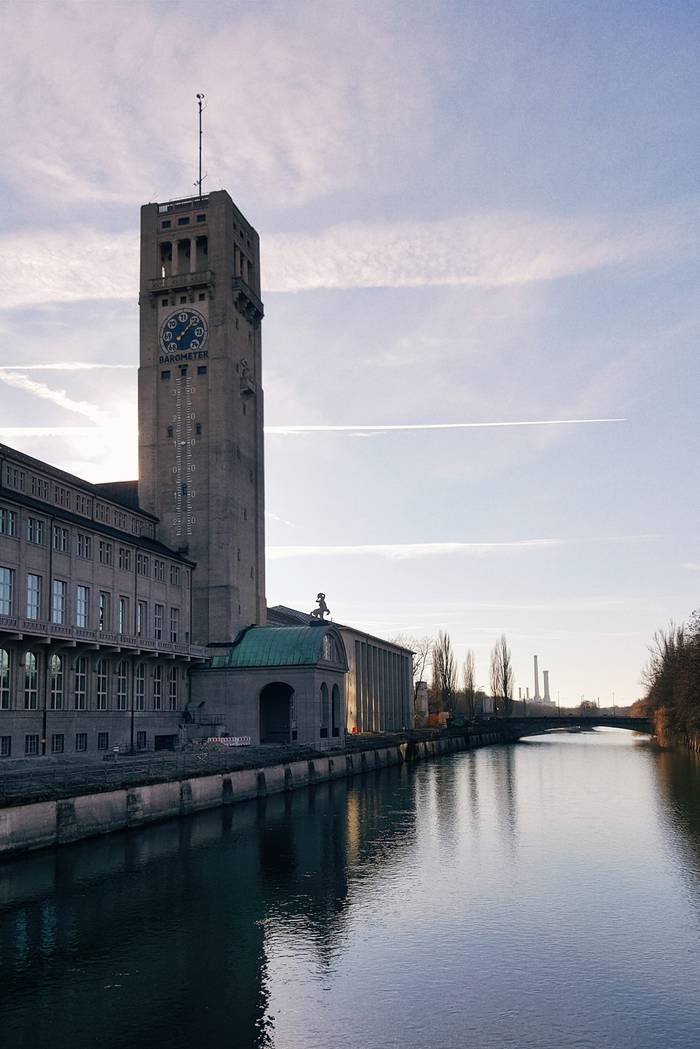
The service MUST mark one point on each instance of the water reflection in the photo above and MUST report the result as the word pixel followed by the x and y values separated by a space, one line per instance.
pixel 166 928
pixel 539 896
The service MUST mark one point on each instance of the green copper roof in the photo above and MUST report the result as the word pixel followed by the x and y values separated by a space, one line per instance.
pixel 275 646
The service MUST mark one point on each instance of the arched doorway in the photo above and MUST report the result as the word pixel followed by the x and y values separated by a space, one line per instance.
pixel 276 713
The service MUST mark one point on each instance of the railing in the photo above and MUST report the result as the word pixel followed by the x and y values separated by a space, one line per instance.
pixel 108 638
pixel 185 203
pixel 181 280
pixel 247 292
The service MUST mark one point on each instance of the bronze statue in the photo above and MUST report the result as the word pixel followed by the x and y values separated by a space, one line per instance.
pixel 322 610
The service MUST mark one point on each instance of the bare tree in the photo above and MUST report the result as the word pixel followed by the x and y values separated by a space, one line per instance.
pixel 501 676
pixel 422 648
pixel 444 671
pixel 469 683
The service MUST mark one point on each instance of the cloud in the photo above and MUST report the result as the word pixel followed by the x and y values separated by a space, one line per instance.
pixel 281 520
pixel 57 397
pixel 382 427
pixel 66 366
pixel 407 551
pixel 692 566
pixel 491 251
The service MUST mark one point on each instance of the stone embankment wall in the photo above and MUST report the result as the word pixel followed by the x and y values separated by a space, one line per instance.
pixel 61 821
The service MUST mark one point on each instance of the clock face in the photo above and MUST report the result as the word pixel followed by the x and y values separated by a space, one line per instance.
pixel 183 330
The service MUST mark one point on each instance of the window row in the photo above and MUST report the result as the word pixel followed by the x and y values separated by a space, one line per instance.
pixel 70 499
pixel 86 547
pixel 58 743
pixel 88 610
pixel 107 685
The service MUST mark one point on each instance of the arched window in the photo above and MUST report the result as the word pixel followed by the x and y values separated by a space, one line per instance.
pixel 101 685
pixel 80 683
pixel 157 687
pixel 4 679
pixel 56 682
pixel 122 685
pixel 335 710
pixel 329 649
pixel 31 677
pixel 172 688
pixel 324 710
pixel 140 687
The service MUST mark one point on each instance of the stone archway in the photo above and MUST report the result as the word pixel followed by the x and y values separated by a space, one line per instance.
pixel 276 713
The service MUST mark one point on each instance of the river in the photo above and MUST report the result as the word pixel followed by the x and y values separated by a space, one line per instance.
pixel 544 894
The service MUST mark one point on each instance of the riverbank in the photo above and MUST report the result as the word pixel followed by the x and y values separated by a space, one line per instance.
pixel 73 816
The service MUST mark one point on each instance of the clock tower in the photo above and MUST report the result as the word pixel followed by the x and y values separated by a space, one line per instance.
pixel 201 468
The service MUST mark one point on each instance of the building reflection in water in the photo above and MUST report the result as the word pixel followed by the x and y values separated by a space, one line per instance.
pixel 170 927
pixel 678 773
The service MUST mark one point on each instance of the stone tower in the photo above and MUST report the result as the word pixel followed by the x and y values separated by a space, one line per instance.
pixel 201 468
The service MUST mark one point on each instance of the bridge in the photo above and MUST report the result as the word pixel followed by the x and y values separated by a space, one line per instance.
pixel 570 720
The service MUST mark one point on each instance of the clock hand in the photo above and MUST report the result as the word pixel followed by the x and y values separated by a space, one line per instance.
pixel 184 331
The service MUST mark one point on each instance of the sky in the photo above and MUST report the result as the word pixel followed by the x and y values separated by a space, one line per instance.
pixel 473 217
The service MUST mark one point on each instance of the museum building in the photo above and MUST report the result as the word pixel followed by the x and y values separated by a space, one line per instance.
pixel 133 614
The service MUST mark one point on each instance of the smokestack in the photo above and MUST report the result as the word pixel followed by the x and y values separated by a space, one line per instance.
pixel 520 693
pixel 545 675
pixel 527 692
pixel 537 683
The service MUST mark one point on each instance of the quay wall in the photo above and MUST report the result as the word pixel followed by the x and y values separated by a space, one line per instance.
pixel 64 820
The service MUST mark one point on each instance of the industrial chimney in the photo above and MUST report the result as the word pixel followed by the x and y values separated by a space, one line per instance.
pixel 537 696
pixel 545 675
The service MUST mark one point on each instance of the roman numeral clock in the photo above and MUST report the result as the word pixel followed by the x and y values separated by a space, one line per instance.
pixel 182 334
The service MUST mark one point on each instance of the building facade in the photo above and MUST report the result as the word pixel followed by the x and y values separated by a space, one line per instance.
pixel 95 619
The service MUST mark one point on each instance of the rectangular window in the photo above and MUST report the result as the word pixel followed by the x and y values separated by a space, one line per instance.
pixel 4 679
pixel 15 478
pixel 104 552
pixel 101 683
pixel 102 512
pixel 159 570
pixel 172 688
pixel 5 746
pixel 141 618
pixel 83 546
pixel 8 522
pixel 125 558
pixel 35 531
pixel 31 745
pixel 142 564
pixel 140 688
pixel 141 743
pixel 39 488
pixel 58 601
pixel 123 615
pixel 33 596
pixel 61 496
pixel 80 683
pixel 103 740
pixel 158 616
pixel 122 685
pixel 103 610
pixel 6 587
pixel 174 575
pixel 60 539
pixel 81 742
pixel 157 687
pixel 82 504
pixel 57 743
pixel 120 520
pixel 174 624
pixel 82 607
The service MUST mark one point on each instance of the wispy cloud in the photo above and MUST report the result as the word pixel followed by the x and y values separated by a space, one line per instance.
pixel 382 427
pixel 67 366
pixel 692 566
pixel 57 397
pixel 408 551
pixel 489 251
pixel 14 433
pixel 280 520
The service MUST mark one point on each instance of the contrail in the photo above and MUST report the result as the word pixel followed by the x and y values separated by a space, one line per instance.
pixel 437 426
pixel 58 397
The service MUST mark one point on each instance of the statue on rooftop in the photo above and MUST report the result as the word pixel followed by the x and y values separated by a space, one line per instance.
pixel 322 610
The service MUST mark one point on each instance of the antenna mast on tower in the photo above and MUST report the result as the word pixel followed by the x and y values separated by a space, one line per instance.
pixel 201 105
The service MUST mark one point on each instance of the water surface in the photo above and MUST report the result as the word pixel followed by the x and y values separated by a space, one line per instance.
pixel 545 894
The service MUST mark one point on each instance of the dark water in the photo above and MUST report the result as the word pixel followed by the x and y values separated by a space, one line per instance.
pixel 542 895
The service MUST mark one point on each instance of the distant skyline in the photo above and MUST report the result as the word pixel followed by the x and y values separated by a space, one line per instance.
pixel 479 241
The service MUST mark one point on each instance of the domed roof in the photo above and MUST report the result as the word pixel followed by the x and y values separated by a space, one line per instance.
pixel 284 646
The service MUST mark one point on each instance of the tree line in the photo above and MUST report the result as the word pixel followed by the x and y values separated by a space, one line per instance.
pixel 672 682
pixel 454 689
